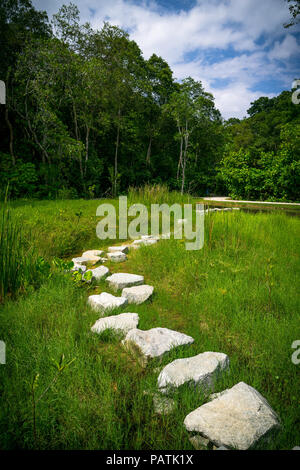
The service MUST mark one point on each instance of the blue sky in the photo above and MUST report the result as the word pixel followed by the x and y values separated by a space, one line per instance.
pixel 239 49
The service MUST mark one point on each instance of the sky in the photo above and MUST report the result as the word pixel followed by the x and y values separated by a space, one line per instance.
pixel 238 49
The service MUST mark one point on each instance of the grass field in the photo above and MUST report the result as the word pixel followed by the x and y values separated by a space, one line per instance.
pixel 238 295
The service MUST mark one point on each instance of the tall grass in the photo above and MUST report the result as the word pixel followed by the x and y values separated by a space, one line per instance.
pixel 20 266
pixel 238 295
pixel 155 194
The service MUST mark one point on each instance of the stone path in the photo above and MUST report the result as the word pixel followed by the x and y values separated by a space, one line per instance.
pixel 237 418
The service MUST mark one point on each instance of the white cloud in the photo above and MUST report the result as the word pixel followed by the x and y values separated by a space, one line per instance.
pixel 287 48
pixel 210 25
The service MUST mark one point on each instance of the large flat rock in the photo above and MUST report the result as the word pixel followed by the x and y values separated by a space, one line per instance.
pixel 123 322
pixel 200 370
pixel 105 301
pixel 137 294
pixel 99 273
pixel 144 242
pixel 117 256
pixel 92 253
pixel 86 260
pixel 238 418
pixel 121 248
pixel 157 341
pixel 121 280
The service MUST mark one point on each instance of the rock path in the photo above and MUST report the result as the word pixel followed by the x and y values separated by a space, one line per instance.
pixel 237 418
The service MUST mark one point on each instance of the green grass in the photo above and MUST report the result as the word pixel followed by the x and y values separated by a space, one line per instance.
pixel 238 295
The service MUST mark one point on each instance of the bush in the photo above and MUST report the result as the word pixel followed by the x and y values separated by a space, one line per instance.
pixel 21 177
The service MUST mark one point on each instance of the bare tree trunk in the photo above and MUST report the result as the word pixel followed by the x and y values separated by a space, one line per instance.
pixel 86 147
pixel 116 156
pixel 11 136
pixel 180 153
pixel 9 124
pixel 149 151
pixel 186 144
pixel 75 121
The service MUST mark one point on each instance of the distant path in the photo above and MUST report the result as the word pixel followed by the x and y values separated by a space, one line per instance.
pixel 228 199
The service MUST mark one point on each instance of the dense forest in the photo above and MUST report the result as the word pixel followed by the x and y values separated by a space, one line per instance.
pixel 87 116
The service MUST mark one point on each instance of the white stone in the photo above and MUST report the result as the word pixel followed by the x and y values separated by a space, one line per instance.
pixel 163 405
pixel 150 237
pixel 122 249
pixel 92 253
pixel 238 418
pixel 99 273
pixel 198 370
pixel 199 442
pixel 157 341
pixel 137 294
pixel 121 280
pixel 123 322
pixel 181 221
pixel 117 256
pixel 144 242
pixel 76 267
pixel 84 260
pixel 105 301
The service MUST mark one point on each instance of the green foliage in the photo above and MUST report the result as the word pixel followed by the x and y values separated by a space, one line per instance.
pixel 219 295
pixel 20 266
pixel 21 178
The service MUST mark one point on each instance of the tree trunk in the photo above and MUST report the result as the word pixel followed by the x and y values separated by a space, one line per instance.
pixel 186 144
pixel 9 124
pixel 116 156
pixel 180 154
pixel 11 136
pixel 86 147
pixel 149 151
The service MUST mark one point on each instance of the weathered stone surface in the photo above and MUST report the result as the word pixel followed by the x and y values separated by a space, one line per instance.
pixel 92 253
pixel 76 267
pixel 144 242
pixel 157 341
pixel 150 237
pixel 86 260
pixel 199 442
pixel 123 322
pixel 105 301
pixel 99 273
pixel 137 294
pixel 121 248
pixel 163 405
pixel 198 370
pixel 121 280
pixel 117 256
pixel 238 418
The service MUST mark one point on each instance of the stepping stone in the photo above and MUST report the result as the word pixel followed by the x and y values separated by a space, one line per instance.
pixel 92 253
pixel 117 256
pixel 163 405
pixel 200 370
pixel 238 418
pixel 105 301
pixel 143 242
pixel 122 249
pixel 76 267
pixel 137 294
pixel 150 237
pixel 99 273
pixel 121 280
pixel 123 322
pixel 157 341
pixel 83 260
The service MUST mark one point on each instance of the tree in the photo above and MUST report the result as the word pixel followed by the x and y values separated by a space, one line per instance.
pixel 294 11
